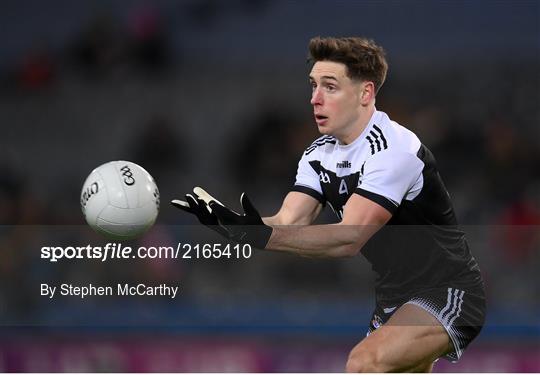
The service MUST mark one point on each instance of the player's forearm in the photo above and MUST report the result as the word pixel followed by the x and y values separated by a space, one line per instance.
pixel 319 240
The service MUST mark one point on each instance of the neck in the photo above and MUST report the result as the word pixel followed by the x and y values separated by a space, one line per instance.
pixel 358 127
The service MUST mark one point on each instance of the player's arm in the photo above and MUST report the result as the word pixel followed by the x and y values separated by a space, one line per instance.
pixel 362 218
pixel 386 179
pixel 297 209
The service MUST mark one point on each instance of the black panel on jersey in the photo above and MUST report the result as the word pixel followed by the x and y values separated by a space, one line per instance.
pixel 336 189
pixel 422 245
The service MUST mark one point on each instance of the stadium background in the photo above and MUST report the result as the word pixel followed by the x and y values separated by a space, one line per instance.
pixel 214 93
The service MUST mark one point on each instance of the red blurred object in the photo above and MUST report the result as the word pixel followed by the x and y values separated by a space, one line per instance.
pixel 519 237
pixel 36 71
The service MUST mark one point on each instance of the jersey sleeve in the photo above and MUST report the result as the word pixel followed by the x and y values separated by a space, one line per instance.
pixel 307 179
pixel 388 176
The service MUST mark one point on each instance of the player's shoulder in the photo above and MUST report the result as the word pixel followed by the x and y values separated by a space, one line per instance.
pixel 323 143
pixel 387 136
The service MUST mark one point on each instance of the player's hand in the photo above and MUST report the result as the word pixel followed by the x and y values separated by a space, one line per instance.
pixel 198 206
pixel 246 228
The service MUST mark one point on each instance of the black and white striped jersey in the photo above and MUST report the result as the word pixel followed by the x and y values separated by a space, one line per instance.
pixel 388 164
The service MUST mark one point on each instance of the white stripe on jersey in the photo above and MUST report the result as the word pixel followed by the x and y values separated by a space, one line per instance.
pixel 459 309
pixel 448 303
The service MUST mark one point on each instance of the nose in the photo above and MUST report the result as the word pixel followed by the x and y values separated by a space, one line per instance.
pixel 316 97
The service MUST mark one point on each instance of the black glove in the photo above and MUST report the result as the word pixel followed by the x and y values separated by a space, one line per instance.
pixel 247 228
pixel 197 206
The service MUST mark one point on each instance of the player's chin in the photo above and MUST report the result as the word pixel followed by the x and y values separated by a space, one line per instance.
pixel 324 129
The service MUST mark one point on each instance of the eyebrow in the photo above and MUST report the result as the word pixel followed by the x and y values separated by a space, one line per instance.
pixel 324 77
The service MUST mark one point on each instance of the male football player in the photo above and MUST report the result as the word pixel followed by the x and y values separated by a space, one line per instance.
pixel 377 176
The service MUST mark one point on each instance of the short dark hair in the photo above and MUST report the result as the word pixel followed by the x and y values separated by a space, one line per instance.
pixel 364 59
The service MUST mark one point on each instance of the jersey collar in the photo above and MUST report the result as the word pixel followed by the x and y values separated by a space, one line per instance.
pixel 362 135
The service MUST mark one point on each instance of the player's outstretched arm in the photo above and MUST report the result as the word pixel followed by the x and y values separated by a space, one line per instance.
pixel 362 218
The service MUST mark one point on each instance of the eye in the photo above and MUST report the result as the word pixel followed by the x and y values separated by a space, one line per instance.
pixel 313 86
pixel 330 88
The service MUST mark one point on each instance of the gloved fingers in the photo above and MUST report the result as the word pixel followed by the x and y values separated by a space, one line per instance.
pixel 193 203
pixel 200 209
pixel 248 207
pixel 182 205
pixel 207 198
pixel 204 207
pixel 224 215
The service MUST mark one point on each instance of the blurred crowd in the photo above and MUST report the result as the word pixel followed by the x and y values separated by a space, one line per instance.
pixel 121 91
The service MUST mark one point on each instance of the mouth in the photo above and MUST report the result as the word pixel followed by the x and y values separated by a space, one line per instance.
pixel 320 119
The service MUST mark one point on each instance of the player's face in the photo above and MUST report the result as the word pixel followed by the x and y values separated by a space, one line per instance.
pixel 336 99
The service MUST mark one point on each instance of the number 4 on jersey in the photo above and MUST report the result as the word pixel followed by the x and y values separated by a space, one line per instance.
pixel 343 187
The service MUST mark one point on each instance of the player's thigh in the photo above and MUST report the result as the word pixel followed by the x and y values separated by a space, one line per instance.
pixel 411 339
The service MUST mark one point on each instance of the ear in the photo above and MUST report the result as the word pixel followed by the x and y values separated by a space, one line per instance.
pixel 367 93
